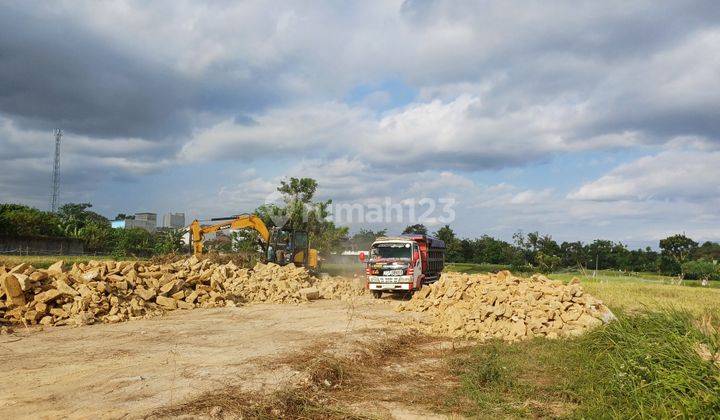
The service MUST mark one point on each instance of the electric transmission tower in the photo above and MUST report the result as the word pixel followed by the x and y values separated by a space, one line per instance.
pixel 56 172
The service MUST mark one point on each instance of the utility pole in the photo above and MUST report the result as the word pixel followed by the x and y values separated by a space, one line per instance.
pixel 56 171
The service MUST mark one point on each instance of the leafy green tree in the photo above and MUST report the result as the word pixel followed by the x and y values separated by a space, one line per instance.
pixel 300 209
pixel 417 229
pixel 600 253
pixel 20 220
pixel 79 215
pixel 534 242
pixel 493 251
pixel 168 240
pixel 467 250
pixel 305 214
pixel 365 237
pixel 547 263
pixel 573 254
pixel 707 251
pixel 77 221
pixel 134 242
pixel 678 247
pixel 96 236
pixel 246 241
pixel 299 189
pixel 701 270
pixel 452 244
pixel 446 234
pixel 329 238
pixel 668 266
pixel 642 260
pixel 266 212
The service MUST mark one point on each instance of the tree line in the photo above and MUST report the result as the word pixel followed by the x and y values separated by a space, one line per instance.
pixel 299 210
pixel 76 220
pixel 679 255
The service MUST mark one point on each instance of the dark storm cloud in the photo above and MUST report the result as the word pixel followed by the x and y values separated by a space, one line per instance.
pixel 533 42
pixel 611 58
pixel 55 72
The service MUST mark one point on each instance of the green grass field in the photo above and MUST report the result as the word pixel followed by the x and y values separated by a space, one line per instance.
pixel 655 361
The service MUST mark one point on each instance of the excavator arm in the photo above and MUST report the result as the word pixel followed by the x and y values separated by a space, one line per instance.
pixel 244 221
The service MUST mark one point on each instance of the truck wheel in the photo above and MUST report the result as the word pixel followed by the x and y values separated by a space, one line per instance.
pixel 377 294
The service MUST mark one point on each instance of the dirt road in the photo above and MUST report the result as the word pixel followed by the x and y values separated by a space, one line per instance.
pixel 128 370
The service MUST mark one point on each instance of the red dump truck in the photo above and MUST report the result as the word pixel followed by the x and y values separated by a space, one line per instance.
pixel 403 264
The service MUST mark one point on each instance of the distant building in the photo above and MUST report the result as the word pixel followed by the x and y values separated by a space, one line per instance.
pixel 147 221
pixel 173 220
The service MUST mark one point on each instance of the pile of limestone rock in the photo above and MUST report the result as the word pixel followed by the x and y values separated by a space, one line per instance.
pixel 110 291
pixel 506 307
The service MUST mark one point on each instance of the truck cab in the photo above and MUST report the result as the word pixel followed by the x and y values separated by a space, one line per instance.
pixel 403 264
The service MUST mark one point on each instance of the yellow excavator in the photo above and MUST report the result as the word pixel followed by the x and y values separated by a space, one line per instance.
pixel 281 246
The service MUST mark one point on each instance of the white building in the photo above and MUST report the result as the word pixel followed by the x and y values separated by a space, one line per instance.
pixel 173 220
pixel 147 221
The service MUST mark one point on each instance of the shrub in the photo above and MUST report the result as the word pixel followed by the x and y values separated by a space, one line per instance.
pixel 132 242
pixel 701 269
pixel 654 364
pixel 19 220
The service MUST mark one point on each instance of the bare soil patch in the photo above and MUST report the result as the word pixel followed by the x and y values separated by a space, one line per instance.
pixel 137 368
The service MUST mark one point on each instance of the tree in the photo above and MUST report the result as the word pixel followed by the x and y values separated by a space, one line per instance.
pixel 417 229
pixel 547 262
pixel 20 220
pixel 643 260
pixel 302 213
pixel 132 242
pixel 267 213
pixel 75 216
pixel 467 250
pixel 600 254
pixel 701 270
pixel 299 189
pixel 79 213
pixel 452 245
pixel 678 247
pixel 168 240
pixel 300 210
pixel 668 266
pixel 365 237
pixel 96 236
pixel 493 251
pixel 330 238
pixel 708 250
pixel 534 242
pixel 573 254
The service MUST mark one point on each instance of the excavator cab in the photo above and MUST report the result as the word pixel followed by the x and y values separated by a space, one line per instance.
pixel 291 246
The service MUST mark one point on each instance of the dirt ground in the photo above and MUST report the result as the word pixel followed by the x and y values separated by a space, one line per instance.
pixel 132 369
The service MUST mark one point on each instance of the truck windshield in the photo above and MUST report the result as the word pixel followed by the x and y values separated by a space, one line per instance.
pixel 391 250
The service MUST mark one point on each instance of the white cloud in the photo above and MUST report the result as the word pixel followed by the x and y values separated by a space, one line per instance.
pixel 458 134
pixel 670 175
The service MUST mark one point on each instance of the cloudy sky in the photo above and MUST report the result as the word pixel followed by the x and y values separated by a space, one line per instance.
pixel 578 119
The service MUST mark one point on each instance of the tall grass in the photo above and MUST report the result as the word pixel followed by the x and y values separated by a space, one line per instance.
pixel 656 368
pixel 643 366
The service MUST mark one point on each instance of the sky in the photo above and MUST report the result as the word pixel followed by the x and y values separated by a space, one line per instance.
pixel 579 119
